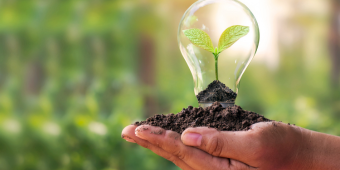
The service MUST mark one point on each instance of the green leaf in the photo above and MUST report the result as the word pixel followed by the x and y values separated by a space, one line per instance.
pixel 199 38
pixel 231 35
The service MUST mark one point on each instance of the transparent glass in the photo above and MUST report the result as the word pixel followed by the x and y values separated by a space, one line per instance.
pixel 213 17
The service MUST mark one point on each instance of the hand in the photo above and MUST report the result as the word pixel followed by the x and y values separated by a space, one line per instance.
pixel 267 146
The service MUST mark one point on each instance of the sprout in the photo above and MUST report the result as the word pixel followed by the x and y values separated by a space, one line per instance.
pixel 201 39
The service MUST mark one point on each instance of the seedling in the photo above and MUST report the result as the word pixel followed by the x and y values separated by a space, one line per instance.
pixel 201 39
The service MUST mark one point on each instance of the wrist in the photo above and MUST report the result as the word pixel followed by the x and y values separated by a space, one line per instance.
pixel 320 151
pixel 302 156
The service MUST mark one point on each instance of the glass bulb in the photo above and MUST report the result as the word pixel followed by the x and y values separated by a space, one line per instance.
pixel 214 17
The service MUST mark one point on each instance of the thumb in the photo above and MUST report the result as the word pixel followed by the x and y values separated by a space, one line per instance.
pixel 234 145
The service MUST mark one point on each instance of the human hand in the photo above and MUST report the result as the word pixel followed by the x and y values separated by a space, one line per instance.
pixel 267 146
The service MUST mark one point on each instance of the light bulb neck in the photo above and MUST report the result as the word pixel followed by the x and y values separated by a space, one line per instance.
pixel 224 104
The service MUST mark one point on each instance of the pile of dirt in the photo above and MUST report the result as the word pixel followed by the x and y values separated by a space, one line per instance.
pixel 215 116
pixel 216 91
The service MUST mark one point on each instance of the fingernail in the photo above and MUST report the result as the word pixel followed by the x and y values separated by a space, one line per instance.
pixel 192 139
pixel 138 132
pixel 128 139
pixel 139 135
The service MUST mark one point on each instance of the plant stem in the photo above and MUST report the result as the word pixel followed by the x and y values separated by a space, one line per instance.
pixel 216 65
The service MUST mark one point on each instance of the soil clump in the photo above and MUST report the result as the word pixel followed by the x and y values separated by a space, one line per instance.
pixel 216 91
pixel 215 116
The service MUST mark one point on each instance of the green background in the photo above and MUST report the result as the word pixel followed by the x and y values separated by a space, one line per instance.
pixel 74 73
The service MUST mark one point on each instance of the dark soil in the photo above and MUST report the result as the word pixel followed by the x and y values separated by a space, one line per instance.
pixel 216 91
pixel 215 116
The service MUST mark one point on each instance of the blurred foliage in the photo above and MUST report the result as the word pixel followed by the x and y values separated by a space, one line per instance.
pixel 72 77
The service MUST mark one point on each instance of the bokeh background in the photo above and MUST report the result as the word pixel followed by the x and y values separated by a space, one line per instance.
pixel 74 73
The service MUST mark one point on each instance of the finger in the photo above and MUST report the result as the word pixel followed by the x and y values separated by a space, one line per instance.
pixel 234 145
pixel 264 125
pixel 128 134
pixel 170 142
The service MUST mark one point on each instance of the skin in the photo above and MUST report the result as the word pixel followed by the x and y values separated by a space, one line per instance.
pixel 266 146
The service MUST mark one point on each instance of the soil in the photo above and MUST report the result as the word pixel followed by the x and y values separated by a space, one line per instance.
pixel 216 91
pixel 215 116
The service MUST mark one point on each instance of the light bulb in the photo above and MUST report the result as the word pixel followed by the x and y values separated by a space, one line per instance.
pixel 218 39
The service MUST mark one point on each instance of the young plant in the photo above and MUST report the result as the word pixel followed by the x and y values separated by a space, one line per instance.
pixel 201 39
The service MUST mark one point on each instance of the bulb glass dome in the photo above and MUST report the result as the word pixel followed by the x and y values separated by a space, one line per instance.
pixel 214 17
